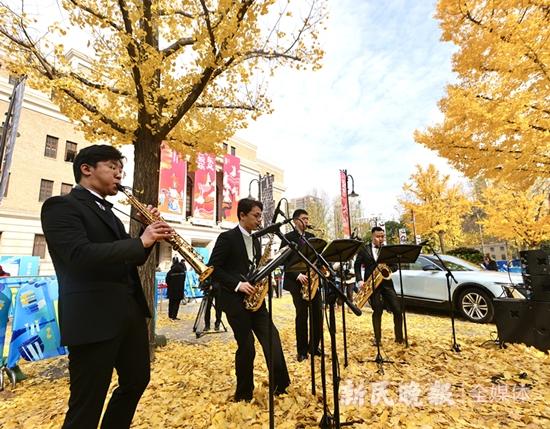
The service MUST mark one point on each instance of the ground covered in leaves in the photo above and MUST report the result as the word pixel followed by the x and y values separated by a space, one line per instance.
pixel 426 386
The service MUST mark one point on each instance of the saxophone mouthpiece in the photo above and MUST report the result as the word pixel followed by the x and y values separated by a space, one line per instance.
pixel 120 187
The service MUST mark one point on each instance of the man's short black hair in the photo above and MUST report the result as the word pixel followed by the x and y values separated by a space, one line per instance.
pixel 376 229
pixel 91 155
pixel 246 205
pixel 298 212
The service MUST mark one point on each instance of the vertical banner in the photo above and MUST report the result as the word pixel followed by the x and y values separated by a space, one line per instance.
pixel 204 193
pixel 266 191
pixel 344 202
pixel 402 236
pixel 172 182
pixel 35 331
pixel 231 187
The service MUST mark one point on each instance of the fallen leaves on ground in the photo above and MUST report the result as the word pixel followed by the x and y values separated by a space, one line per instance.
pixel 426 386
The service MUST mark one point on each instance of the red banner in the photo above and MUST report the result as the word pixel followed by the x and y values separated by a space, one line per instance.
pixel 204 193
pixel 231 187
pixel 172 180
pixel 345 206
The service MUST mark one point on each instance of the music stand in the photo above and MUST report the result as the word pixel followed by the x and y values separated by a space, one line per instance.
pixel 298 265
pixel 398 254
pixel 342 250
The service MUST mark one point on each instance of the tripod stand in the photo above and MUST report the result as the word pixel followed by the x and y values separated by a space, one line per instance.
pixel 200 325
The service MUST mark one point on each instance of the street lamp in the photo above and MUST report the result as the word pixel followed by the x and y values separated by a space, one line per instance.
pixel 250 196
pixel 353 194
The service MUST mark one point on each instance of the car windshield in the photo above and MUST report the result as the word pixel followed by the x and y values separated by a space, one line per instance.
pixel 455 264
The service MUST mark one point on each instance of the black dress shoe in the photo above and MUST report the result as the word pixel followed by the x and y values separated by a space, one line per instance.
pixel 400 341
pixel 216 326
pixel 242 398
pixel 300 358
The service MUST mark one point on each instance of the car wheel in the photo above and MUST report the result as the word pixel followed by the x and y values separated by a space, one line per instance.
pixel 476 305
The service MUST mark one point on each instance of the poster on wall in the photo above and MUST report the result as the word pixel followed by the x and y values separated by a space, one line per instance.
pixel 231 187
pixel 20 265
pixel 35 330
pixel 172 183
pixel 344 200
pixel 266 191
pixel 204 192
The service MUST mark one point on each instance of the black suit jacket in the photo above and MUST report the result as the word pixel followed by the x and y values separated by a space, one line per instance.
pixel 95 261
pixel 230 260
pixel 290 282
pixel 365 257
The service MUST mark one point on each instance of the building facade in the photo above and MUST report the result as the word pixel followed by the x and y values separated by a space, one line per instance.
pixel 42 167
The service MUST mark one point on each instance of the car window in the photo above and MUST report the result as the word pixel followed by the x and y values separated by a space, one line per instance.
pixel 424 264
pixel 455 264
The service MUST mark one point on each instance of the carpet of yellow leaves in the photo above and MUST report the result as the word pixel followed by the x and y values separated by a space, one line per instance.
pixel 427 386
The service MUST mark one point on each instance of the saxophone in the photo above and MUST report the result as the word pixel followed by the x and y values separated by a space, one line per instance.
pixel 178 243
pixel 381 272
pixel 255 300
pixel 314 277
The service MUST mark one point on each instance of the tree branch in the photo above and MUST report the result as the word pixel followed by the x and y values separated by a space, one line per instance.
pixel 174 47
pixel 98 15
pixel 226 106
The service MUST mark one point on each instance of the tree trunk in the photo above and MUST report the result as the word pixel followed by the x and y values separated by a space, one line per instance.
pixel 146 183
pixel 441 242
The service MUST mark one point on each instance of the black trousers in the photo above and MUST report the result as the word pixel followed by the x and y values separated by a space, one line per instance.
pixel 385 295
pixel 91 369
pixel 300 322
pixel 213 295
pixel 245 324
pixel 173 308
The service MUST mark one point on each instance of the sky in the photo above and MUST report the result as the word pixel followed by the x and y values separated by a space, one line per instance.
pixel 383 72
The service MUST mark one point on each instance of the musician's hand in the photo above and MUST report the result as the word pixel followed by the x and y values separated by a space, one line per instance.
pixel 360 284
pixel 155 232
pixel 246 288
pixel 155 212
pixel 302 278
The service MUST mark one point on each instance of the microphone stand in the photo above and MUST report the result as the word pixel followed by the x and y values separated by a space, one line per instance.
pixel 327 421
pixel 448 275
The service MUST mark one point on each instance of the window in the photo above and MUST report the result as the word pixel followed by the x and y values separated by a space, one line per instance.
pixel 51 147
pixel 225 147
pixel 12 79
pixel 233 150
pixel 46 189
pixel 66 188
pixel 70 151
pixel 503 257
pixel 502 248
pixel 39 246
pixel 492 249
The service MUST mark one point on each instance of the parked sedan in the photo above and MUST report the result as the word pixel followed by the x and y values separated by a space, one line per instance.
pixel 425 284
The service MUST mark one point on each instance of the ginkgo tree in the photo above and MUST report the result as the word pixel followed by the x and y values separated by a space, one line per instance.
pixel 439 207
pixel 520 216
pixel 189 73
pixel 497 115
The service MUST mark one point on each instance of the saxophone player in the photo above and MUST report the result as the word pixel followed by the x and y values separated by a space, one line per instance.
pixel 293 283
pixel 383 294
pixel 102 308
pixel 233 254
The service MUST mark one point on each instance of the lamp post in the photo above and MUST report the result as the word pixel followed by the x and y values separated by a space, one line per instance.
pixel 352 194
pixel 258 180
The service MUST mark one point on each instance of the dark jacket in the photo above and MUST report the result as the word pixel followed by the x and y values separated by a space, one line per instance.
pixel 95 261
pixel 175 281
pixel 230 260
pixel 290 282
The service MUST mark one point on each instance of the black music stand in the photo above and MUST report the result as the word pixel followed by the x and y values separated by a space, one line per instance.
pixel 398 254
pixel 298 265
pixel 342 250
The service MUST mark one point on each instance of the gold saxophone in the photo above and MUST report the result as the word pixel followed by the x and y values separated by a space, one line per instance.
pixel 255 300
pixel 381 272
pixel 178 243
pixel 314 285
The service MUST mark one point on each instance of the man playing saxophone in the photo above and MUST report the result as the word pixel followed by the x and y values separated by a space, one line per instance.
pixel 234 253
pixel 294 283
pixel 383 294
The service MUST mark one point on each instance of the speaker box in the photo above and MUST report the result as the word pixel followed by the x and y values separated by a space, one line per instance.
pixel 535 262
pixel 539 285
pixel 523 321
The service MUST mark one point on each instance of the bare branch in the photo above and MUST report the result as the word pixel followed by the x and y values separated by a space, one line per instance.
pixel 164 13
pixel 226 106
pixel 209 27
pixel 174 47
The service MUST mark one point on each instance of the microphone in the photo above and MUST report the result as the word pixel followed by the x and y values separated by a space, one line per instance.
pixel 276 212
pixel 270 229
pixel 423 243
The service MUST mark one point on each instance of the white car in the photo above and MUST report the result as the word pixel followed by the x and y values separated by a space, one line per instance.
pixel 425 284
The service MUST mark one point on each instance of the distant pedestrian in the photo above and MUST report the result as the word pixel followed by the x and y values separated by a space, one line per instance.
pixel 175 282
pixel 489 263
